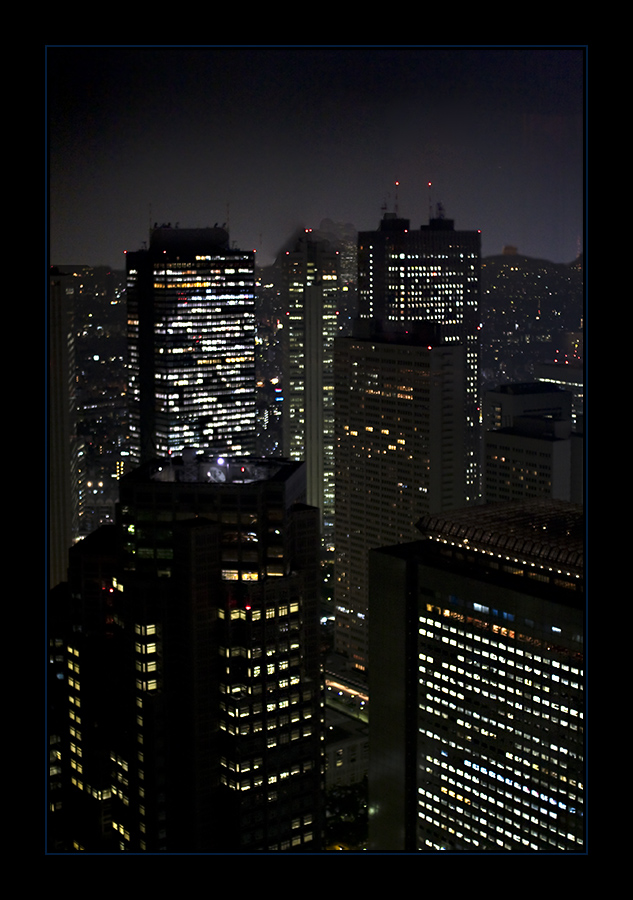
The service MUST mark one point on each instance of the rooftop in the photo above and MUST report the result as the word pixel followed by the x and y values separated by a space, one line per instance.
pixel 204 468
pixel 548 532
pixel 529 387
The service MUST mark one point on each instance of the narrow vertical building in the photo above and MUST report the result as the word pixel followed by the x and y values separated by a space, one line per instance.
pixel 477 683
pixel 310 292
pixel 191 344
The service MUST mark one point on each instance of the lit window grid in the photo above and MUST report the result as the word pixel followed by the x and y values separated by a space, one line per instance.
pixel 204 367
pixel 513 790
pixel 301 272
pixel 433 276
pixel 389 468
pixel 267 702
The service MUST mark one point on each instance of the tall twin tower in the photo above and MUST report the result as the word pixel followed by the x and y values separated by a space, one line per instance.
pixel 407 403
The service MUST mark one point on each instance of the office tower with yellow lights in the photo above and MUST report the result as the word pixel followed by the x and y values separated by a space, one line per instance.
pixel 191 344
pixel 477 738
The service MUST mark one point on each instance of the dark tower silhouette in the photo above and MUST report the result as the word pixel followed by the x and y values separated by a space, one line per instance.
pixel 194 695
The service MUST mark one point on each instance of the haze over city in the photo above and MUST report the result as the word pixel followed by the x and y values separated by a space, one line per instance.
pixel 271 138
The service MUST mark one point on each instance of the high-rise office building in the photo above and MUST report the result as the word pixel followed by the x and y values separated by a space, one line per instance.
pixel 310 292
pixel 477 683
pixel 213 727
pixel 191 344
pixel 399 454
pixel 429 274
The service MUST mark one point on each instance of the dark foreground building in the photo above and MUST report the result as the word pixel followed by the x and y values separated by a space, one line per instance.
pixel 200 671
pixel 477 683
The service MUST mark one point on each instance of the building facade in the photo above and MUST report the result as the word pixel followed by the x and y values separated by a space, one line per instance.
pixel 213 731
pixel 399 454
pixel 310 293
pixel 430 274
pixel 477 684
pixel 191 345
pixel 530 449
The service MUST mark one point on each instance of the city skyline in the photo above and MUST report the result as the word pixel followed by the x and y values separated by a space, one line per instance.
pixel 273 138
pixel 174 175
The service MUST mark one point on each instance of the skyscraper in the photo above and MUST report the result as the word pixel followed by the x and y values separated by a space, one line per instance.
pixel 399 454
pixel 430 274
pixel 213 726
pixel 310 291
pixel 191 344
pixel 477 683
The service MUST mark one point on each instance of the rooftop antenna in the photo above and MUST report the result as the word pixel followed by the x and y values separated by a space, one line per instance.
pixel 430 203
pixel 397 185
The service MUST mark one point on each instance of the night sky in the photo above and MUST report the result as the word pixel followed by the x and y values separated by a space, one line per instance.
pixel 269 139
